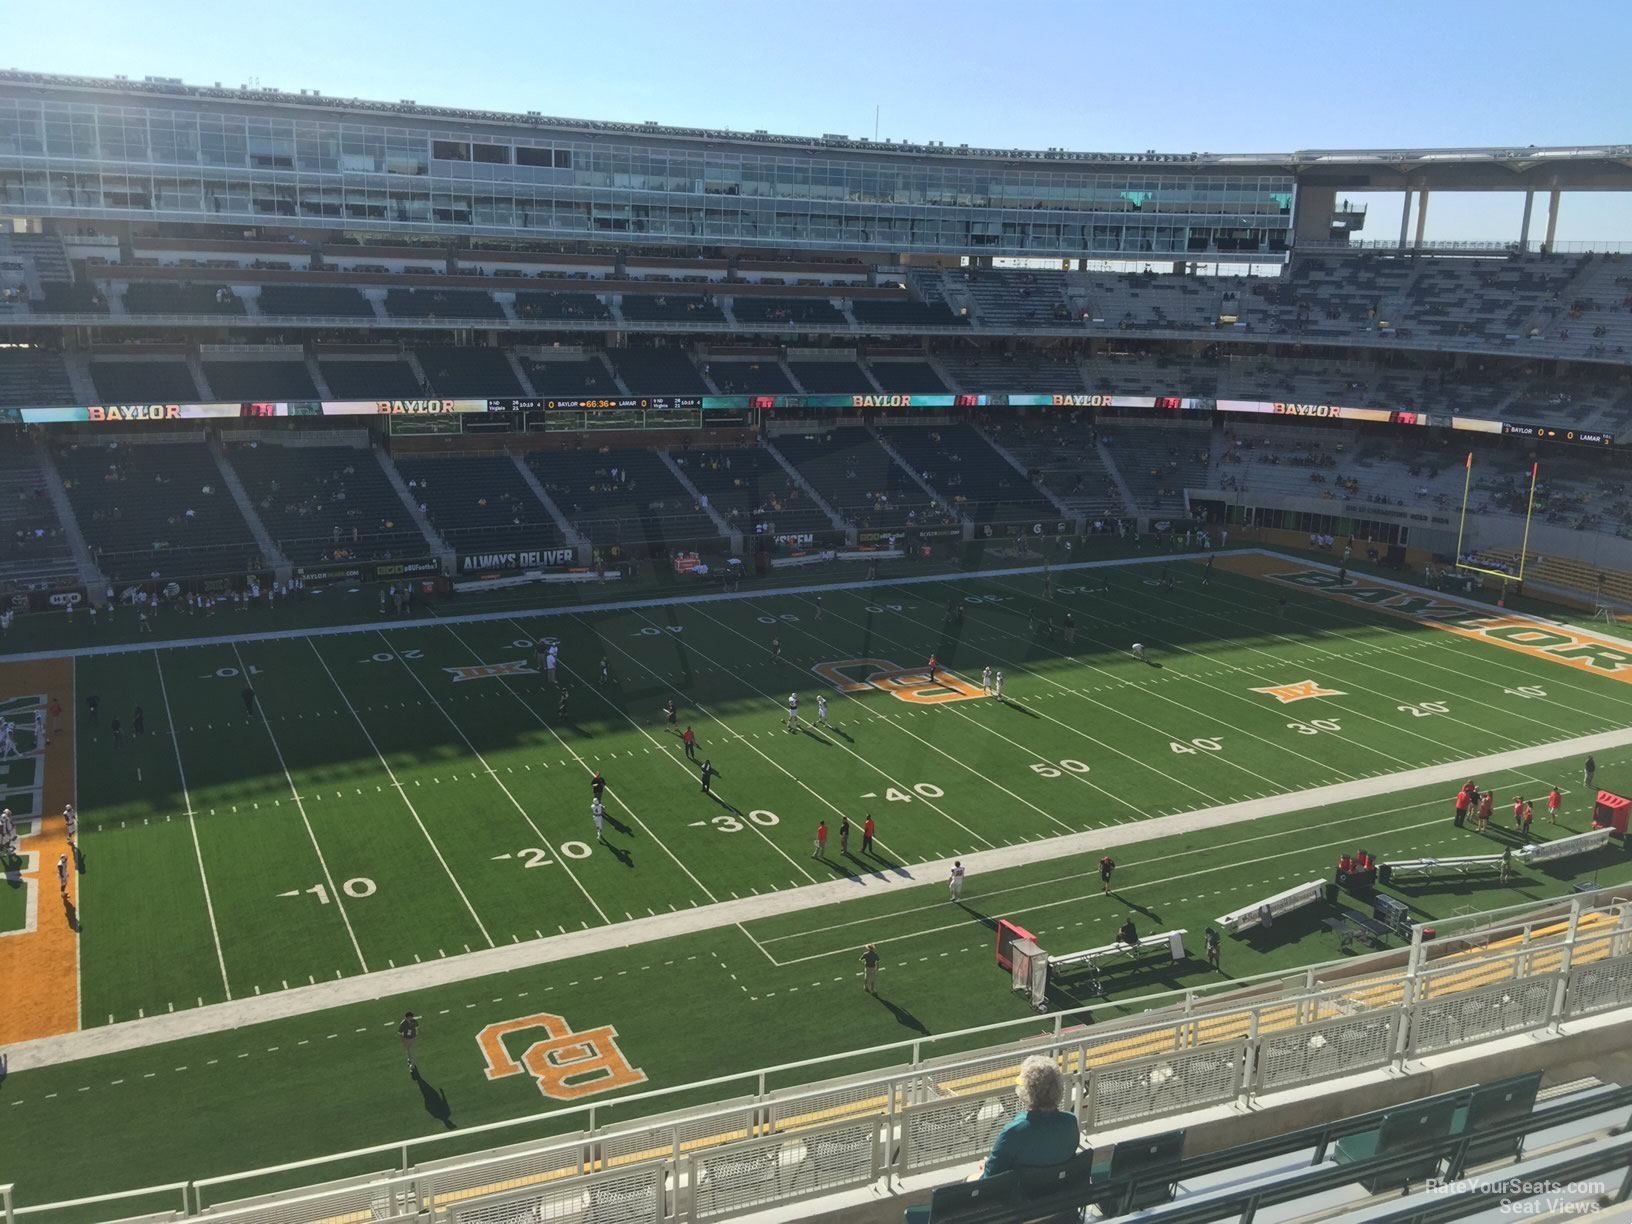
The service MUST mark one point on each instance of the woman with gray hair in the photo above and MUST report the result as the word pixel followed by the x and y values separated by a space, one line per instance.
pixel 1041 1135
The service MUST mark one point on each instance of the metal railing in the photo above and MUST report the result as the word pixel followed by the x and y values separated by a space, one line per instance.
pixel 1481 980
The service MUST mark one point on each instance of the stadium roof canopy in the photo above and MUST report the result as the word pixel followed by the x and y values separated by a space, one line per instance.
pixel 1602 167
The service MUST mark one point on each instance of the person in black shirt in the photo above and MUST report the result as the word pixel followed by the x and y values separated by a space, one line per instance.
pixel 1129 935
pixel 597 784
pixel 138 724
pixel 1106 866
pixel 249 703
pixel 708 777
pixel 115 728
pixel 408 1030
pixel 1590 768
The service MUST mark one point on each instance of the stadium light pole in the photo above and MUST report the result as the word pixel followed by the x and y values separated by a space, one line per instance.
pixel 1462 525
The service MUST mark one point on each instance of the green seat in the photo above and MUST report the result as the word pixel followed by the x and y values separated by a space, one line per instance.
pixel 1410 1128
pixel 973 1202
pixel 1067 1181
pixel 1148 1157
pixel 1496 1105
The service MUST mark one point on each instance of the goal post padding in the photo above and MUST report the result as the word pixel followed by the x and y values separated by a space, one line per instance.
pixel 1007 933
pixel 1029 974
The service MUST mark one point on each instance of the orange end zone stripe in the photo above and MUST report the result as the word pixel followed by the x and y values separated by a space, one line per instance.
pixel 1562 644
pixel 40 967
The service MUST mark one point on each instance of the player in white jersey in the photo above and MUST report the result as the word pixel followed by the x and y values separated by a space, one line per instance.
pixel 997 686
pixel 597 813
pixel 954 882
pixel 62 873
pixel 1139 651
pixel 8 744
pixel 549 664
pixel 793 712
pixel 39 730
pixel 821 708
pixel 70 818
pixel 986 680
pixel 8 836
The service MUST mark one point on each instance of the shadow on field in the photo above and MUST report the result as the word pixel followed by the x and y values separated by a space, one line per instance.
pixel 618 852
pixel 436 1102
pixel 985 920
pixel 1018 708
pixel 903 1017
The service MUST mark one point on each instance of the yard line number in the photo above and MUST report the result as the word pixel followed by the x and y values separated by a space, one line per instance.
pixel 1424 709
pixel 1315 726
pixel 1204 744
pixel 1044 770
pixel 759 816
pixel 357 888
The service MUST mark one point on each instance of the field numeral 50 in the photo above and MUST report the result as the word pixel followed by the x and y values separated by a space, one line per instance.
pixel 1044 770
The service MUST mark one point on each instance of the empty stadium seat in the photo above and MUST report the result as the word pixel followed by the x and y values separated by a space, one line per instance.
pixel 147 509
pixel 621 497
pixel 670 308
pixel 260 380
pixel 658 371
pixel 369 379
pixel 145 381
pixel 169 297
pixel 315 301
pixel 34 376
pixel 479 503
pixel 863 483
pixel 962 466
pixel 442 304
pixel 469 371
pixel 831 377
pixel 327 503
pixel 752 491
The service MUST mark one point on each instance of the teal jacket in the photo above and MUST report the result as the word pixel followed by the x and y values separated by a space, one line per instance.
pixel 1036 1139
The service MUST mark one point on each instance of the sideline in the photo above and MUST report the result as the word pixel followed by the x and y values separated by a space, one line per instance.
pixel 303 1000
pixel 617 605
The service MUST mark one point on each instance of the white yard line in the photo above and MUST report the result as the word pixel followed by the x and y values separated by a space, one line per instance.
pixel 300 806
pixel 573 753
pixel 1452 643
pixel 874 767
pixel 192 824
pixel 1265 678
pixel 303 1000
pixel 769 760
pixel 896 724
pixel 493 773
pixel 403 793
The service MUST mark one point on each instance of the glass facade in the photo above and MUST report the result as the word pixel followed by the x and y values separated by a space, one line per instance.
pixel 148 159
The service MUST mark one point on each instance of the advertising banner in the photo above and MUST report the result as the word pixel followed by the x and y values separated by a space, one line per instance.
pixel 517 559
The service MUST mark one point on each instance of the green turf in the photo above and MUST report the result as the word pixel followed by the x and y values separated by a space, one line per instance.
pixel 386 811
pixel 732 1001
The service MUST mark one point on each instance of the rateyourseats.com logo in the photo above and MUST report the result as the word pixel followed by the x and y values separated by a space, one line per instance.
pixel 1519 1197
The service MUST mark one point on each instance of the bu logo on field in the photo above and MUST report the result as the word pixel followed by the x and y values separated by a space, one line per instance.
pixel 1297 691
pixel 481 671
pixel 906 684
pixel 568 1066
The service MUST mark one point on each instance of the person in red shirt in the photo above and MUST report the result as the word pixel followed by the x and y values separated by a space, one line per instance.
pixel 821 841
pixel 689 739
pixel 1552 805
pixel 932 666
pixel 1518 811
pixel 1462 798
pixel 1487 805
pixel 867 835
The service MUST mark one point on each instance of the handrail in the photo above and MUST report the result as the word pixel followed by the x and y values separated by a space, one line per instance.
pixel 584 1123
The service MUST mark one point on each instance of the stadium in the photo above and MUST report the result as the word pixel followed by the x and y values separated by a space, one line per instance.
pixel 573 670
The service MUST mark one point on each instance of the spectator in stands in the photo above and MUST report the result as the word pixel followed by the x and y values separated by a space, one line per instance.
pixel 1041 1135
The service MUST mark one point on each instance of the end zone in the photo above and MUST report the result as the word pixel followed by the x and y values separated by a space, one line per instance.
pixel 1540 639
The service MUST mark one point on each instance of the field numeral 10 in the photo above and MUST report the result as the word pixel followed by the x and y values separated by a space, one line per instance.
pixel 1526 690
pixel 357 888
pixel 1044 770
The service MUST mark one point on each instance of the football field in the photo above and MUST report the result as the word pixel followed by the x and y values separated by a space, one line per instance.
pixel 418 795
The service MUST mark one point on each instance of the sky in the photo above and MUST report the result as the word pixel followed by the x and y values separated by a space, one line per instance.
pixel 1180 76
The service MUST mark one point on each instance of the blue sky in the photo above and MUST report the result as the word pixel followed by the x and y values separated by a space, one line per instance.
pixel 1175 77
